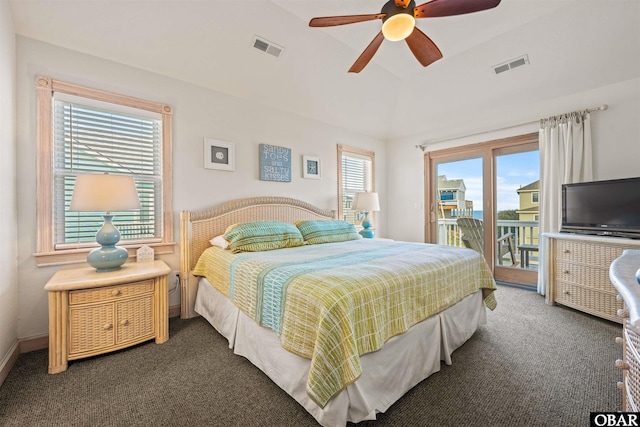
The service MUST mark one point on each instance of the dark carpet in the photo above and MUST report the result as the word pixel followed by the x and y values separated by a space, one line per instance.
pixel 531 365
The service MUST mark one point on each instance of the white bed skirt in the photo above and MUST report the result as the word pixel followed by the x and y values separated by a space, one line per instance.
pixel 387 374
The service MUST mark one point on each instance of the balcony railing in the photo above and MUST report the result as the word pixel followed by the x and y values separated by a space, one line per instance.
pixel 525 240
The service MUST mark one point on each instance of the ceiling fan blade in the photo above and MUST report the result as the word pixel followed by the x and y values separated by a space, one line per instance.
pixel 331 21
pixel 423 48
pixel 368 53
pixel 438 8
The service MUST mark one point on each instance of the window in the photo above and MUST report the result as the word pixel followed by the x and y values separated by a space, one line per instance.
pixel 535 197
pixel 82 130
pixel 355 174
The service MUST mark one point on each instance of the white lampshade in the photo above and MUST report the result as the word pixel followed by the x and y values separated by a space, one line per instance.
pixel 398 27
pixel 366 202
pixel 104 193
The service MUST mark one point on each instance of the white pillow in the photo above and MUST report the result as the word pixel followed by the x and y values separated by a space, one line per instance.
pixel 219 241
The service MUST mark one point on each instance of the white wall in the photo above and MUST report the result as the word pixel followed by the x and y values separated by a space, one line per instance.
pixel 615 136
pixel 8 204
pixel 198 113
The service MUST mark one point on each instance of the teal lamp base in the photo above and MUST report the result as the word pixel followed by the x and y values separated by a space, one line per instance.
pixel 108 257
pixel 366 232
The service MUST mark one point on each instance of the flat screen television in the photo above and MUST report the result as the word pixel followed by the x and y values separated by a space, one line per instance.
pixel 605 208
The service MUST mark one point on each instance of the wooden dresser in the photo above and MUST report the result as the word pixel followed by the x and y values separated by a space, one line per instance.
pixel 623 276
pixel 578 272
pixel 91 313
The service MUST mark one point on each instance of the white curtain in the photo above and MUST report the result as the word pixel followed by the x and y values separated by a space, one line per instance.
pixel 565 157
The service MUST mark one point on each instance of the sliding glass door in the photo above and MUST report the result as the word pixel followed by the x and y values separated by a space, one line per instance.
pixel 485 197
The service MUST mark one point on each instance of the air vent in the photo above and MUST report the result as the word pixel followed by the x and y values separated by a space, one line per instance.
pixel 266 46
pixel 511 64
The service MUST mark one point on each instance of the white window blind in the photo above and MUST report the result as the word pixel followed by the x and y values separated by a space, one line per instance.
pixel 97 137
pixel 356 177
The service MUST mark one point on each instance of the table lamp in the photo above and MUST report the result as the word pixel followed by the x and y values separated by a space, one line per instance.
pixel 366 202
pixel 105 193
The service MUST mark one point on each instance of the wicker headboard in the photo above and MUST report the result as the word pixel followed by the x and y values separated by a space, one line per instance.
pixel 198 227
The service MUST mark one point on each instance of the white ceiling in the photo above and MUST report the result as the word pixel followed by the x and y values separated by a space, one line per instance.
pixel 573 46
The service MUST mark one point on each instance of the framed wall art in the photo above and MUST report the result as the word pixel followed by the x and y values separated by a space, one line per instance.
pixel 219 155
pixel 310 167
pixel 275 163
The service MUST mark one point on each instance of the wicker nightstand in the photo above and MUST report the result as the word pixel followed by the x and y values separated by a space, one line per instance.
pixel 92 313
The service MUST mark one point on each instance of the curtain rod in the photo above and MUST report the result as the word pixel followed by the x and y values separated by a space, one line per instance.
pixel 426 144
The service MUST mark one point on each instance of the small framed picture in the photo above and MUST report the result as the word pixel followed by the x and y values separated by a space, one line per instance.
pixel 310 167
pixel 219 155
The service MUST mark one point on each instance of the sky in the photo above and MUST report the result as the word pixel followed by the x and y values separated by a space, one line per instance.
pixel 513 172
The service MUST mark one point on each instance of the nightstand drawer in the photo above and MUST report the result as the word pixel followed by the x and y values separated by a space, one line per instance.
pixel 109 293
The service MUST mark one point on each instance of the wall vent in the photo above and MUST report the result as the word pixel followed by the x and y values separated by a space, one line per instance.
pixel 511 64
pixel 266 46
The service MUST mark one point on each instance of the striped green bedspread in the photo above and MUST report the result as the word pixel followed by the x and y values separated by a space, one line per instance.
pixel 333 302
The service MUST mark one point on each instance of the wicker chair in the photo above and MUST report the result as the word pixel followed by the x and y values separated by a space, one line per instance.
pixel 473 237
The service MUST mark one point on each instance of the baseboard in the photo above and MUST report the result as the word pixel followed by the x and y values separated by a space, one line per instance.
pixel 9 361
pixel 33 344
pixel 174 311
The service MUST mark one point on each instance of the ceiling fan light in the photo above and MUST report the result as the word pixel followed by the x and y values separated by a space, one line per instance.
pixel 398 27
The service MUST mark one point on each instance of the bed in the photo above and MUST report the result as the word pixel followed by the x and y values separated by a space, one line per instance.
pixel 344 349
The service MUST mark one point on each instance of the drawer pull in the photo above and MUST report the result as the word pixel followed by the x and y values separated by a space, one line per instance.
pixel 622 365
pixel 107 327
pixel 567 251
pixel 620 385
pixel 622 313
pixel 565 292
pixel 116 292
pixel 124 323
pixel 619 340
pixel 566 271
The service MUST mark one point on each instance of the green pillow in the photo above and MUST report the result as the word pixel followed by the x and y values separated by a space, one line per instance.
pixel 327 231
pixel 262 236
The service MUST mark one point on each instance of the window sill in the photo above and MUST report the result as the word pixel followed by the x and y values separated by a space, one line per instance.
pixel 75 256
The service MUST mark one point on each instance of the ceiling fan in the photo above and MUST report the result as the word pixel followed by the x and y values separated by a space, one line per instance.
pixel 398 23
